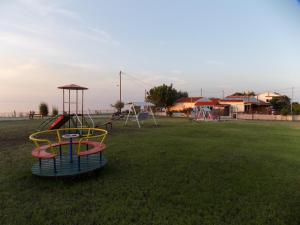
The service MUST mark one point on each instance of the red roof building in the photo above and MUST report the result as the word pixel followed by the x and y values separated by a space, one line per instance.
pixel 187 99
pixel 183 104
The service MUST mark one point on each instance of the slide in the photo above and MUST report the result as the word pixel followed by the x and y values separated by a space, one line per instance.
pixel 60 121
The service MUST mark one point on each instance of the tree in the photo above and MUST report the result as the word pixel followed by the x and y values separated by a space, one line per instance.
pixel 44 109
pixel 296 108
pixel 54 111
pixel 281 104
pixel 118 105
pixel 248 93
pixel 164 95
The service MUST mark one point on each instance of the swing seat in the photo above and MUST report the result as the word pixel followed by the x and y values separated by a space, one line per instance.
pixel 143 116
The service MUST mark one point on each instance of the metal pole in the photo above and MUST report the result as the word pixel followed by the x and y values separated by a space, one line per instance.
pixel 63 101
pixel 292 102
pixel 136 116
pixel 201 92
pixel 120 88
pixel 82 107
pixel 76 101
pixel 76 105
pixel 69 107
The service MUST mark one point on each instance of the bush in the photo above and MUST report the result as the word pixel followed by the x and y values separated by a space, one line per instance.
pixel 54 111
pixel 44 109
pixel 285 111
pixel 169 113
pixel 296 108
pixel 118 105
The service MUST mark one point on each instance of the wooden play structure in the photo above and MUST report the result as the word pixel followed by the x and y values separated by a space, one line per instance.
pixel 144 112
pixel 72 110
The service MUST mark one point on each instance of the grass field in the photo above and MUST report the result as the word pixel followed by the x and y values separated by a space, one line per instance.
pixel 180 173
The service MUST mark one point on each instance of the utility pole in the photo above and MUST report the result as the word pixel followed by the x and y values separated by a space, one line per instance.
pixel 201 92
pixel 145 95
pixel 292 102
pixel 223 94
pixel 120 88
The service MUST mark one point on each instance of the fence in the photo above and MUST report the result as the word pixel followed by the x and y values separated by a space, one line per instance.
pixel 244 116
pixel 14 114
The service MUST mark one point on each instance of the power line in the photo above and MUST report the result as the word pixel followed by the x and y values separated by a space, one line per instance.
pixel 139 80
pixel 288 90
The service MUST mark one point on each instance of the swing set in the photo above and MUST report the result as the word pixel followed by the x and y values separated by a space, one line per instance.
pixel 144 113
pixel 203 113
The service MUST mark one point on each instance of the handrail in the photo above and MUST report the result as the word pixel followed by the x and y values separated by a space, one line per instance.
pixel 78 120
pixel 93 123
pixel 90 135
pixel 47 122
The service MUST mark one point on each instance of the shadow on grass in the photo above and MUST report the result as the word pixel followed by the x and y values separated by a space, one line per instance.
pixel 96 175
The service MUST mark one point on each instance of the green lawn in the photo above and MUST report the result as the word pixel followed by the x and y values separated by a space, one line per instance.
pixel 183 172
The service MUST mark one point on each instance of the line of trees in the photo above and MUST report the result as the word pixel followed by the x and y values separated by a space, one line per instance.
pixel 161 96
pixel 283 105
pixel 164 96
pixel 44 109
pixel 248 93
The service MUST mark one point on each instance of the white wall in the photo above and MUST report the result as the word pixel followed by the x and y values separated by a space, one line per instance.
pixel 267 117
pixel 239 106
pixel 267 96
pixel 181 106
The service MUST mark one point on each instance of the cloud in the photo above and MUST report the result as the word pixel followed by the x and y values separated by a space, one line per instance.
pixel 158 79
pixel 33 80
pixel 96 34
pixel 54 8
pixel 45 8
pixel 84 66
pixel 28 42
pixel 47 36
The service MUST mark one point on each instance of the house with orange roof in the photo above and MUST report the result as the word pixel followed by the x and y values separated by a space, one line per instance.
pixel 187 104
pixel 246 104
pixel 184 104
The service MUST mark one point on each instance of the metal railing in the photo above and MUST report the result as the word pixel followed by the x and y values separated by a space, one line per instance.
pixel 92 133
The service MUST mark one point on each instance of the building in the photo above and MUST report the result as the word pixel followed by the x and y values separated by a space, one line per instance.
pixel 214 104
pixel 230 105
pixel 184 104
pixel 267 96
pixel 245 104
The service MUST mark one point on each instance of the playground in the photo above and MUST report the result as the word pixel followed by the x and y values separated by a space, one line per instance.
pixel 183 172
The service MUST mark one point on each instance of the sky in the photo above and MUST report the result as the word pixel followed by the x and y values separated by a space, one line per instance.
pixel 215 45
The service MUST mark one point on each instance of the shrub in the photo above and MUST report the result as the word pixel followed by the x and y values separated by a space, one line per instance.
pixel 285 111
pixel 54 111
pixel 44 109
pixel 118 105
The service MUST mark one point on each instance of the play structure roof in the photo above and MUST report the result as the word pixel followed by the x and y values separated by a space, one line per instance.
pixel 72 87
